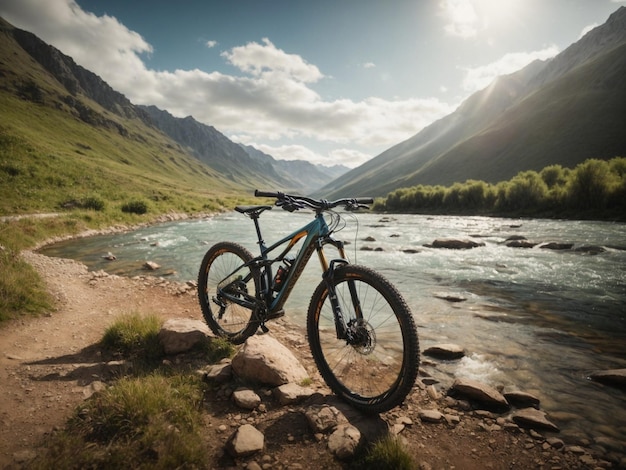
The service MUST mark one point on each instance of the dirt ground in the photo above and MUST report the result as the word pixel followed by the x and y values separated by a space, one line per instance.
pixel 48 366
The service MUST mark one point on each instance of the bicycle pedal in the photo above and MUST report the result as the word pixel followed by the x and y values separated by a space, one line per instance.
pixel 264 328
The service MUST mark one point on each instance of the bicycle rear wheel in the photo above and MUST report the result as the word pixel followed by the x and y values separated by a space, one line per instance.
pixel 223 270
pixel 377 369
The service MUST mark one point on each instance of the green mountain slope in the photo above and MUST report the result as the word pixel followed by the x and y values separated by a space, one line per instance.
pixel 565 111
pixel 66 136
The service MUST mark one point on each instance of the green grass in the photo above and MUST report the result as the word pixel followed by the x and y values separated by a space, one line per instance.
pixel 134 335
pixel 151 420
pixel 146 422
pixel 387 453
pixel 21 290
pixel 215 349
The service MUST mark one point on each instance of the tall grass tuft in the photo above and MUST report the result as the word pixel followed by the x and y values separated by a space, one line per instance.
pixel 134 335
pixel 387 453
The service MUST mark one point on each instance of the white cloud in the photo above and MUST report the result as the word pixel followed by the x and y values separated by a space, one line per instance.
pixel 369 65
pixel 210 44
pixel 478 78
pixel 266 59
pixel 271 99
pixel 98 43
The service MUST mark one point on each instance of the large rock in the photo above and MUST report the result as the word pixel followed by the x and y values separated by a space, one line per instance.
pixel 615 377
pixel 344 441
pixel 557 246
pixel 264 360
pixel 445 351
pixel 521 399
pixel 534 419
pixel 521 244
pixel 179 335
pixel 323 418
pixel 479 392
pixel 455 244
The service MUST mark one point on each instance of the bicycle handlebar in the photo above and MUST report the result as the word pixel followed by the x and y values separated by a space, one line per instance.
pixel 292 202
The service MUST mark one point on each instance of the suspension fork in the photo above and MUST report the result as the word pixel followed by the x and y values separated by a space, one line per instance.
pixel 343 329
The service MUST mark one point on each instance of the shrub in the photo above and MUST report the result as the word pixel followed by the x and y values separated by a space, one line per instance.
pixel 93 203
pixel 590 184
pixel 135 207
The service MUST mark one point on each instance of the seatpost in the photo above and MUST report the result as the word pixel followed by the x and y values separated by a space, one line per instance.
pixel 255 218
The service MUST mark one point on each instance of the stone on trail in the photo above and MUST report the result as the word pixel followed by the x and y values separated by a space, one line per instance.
pixel 322 418
pixel 430 416
pixel 179 335
pixel 291 393
pixel 221 372
pixel 245 441
pixel 265 360
pixel 246 398
pixel 344 441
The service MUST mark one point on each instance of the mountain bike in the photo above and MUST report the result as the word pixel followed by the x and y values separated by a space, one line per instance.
pixel 360 330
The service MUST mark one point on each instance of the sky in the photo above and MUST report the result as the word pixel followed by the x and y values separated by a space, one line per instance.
pixel 328 81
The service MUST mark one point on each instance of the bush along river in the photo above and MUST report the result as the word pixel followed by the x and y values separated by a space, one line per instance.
pixel 537 305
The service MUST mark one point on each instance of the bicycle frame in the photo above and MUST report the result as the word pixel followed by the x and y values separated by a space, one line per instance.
pixel 316 234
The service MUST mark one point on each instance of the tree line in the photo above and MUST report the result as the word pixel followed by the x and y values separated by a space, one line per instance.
pixel 593 189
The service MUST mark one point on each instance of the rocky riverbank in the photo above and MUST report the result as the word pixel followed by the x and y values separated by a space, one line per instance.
pixel 51 364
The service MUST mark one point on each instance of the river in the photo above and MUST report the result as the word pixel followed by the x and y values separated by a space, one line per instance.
pixel 531 319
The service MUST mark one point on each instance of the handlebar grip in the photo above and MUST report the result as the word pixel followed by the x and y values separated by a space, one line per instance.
pixel 365 200
pixel 258 193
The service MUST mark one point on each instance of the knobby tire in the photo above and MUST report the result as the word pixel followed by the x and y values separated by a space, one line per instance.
pixel 219 265
pixel 377 373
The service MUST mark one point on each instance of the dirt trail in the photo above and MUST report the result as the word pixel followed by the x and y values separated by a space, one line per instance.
pixel 46 364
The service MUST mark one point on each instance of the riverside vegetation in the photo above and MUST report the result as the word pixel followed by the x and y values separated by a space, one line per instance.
pixel 594 189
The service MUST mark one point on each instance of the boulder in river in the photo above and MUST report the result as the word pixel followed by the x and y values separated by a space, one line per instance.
pixel 557 246
pixel 533 419
pixel 479 392
pixel 615 377
pixel 454 244
pixel 445 351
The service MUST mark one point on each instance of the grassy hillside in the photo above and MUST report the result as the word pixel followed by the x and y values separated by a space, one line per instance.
pixel 58 147
pixel 49 159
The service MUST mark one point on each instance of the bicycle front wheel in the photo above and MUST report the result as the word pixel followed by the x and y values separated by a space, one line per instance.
pixel 376 369
pixel 223 270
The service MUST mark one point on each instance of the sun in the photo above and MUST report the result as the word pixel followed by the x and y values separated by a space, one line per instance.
pixel 498 13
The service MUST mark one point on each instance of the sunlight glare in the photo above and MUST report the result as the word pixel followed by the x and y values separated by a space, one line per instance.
pixel 494 13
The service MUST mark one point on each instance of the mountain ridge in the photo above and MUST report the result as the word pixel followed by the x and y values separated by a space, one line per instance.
pixel 477 140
